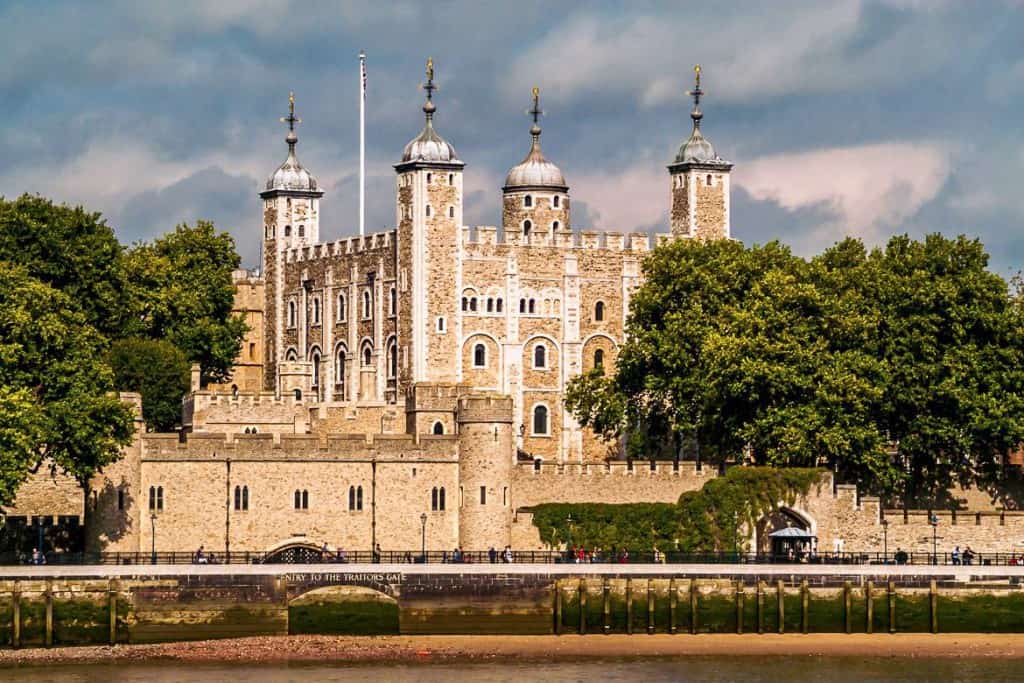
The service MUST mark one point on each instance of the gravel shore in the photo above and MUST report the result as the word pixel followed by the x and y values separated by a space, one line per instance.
pixel 539 648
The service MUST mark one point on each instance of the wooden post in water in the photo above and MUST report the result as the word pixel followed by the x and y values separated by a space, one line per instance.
pixel 739 606
pixel 869 605
pixel 693 605
pixel 847 607
pixel 48 602
pixel 112 608
pixel 892 607
pixel 673 599
pixel 650 606
pixel 16 615
pixel 760 607
pixel 606 590
pixel 780 600
pixel 629 606
pixel 933 605
pixel 558 607
pixel 804 604
pixel 583 606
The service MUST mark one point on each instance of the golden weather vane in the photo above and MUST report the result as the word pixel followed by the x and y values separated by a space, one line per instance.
pixel 430 68
pixel 291 119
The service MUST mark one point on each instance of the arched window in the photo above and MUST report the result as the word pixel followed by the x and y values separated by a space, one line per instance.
pixel 291 355
pixel 339 368
pixel 522 305
pixel 433 499
pixel 465 303
pixel 599 311
pixel 527 225
pixel 367 301
pixel 599 358
pixel 528 201
pixel 440 499
pixel 298 499
pixel 540 356
pixel 314 359
pixel 367 355
pixel 479 356
pixel 392 361
pixel 490 305
pixel 287 231
pixel 156 497
pixel 298 394
pixel 440 324
pixel 430 178
pixel 554 226
pixel 393 307
pixel 291 314
pixel 451 178
pixel 351 497
pixel 341 308
pixel 359 498
pixel 238 497
pixel 555 201
pixel 245 497
pixel 709 180
pixel 540 420
pixel 497 305
pixel 532 306
pixel 438 428
pixel 472 304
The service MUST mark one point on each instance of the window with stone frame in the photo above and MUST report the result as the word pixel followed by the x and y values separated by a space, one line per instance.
pixel 599 311
pixel 540 356
pixel 556 201
pixel 367 305
pixel 393 306
pixel 599 358
pixel 540 420
pixel 528 201
pixel 339 372
pixel 291 314
pixel 438 428
pixel 341 308
pixel 479 356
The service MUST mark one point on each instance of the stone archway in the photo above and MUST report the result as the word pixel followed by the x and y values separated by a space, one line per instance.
pixel 343 610
pixel 778 522
pixel 295 553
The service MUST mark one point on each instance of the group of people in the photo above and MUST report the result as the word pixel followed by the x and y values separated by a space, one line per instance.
pixel 580 555
pixel 965 557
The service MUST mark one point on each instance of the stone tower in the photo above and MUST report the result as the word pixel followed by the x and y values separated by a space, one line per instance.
pixel 535 201
pixel 429 219
pixel 486 455
pixel 291 218
pixel 700 183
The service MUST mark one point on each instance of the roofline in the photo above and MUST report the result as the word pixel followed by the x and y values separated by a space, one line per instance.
pixel 415 164
pixel 703 165
pixel 534 188
pixel 278 192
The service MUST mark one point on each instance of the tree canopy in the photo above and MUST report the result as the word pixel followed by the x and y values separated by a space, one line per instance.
pixel 159 371
pixel 899 368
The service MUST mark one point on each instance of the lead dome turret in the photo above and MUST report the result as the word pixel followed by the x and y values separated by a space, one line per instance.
pixel 291 176
pixel 535 171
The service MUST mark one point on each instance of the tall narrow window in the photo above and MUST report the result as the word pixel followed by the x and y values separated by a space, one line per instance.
pixel 440 324
pixel 472 304
pixel 291 314
pixel 483 495
pixel 490 305
pixel 554 226
pixel 152 498
pixel 392 361
pixel 540 420
pixel 465 303
pixel 366 304
pixel 528 201
pixel 430 178
pixel 302 231
pixel 305 499
pixel 159 497
pixel 433 499
pixel 394 301
pixel 287 231
pixel 339 371
pixel 451 212
pixel 479 356
pixel 599 311
pixel 120 499
pixel 540 356
pixel 298 499
pixel 709 180
pixel 438 428
pixel 314 359
pixel 497 305
pixel 428 210
pixel 527 225
pixel 341 308
pixel 532 307
pixel 238 497
pixel 599 358
pixel 556 201
pixel 440 499
pixel 298 394
pixel 451 178
pixel 316 310
pixel 245 497
pixel 351 497
pixel 522 305
pixel 367 356
pixel 359 498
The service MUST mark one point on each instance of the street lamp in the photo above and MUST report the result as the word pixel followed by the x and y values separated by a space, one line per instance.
pixel 568 539
pixel 885 541
pixel 423 545
pixel 935 538
pixel 152 533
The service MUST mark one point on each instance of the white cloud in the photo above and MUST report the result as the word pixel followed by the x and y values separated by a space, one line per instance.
pixel 625 201
pixel 870 189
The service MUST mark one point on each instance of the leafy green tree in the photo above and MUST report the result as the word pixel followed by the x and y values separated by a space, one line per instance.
pixel 159 371
pixel 900 369
pixel 56 393
pixel 72 250
pixel 183 292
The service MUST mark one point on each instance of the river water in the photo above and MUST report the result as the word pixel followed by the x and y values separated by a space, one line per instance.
pixel 772 669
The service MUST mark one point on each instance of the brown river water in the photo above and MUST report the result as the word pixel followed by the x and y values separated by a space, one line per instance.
pixel 771 669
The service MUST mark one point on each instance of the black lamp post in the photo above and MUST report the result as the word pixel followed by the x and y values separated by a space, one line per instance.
pixel 423 545
pixel 152 528
pixel 935 538
pixel 885 541
pixel 568 540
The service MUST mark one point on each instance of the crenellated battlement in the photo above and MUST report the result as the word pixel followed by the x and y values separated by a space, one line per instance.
pixel 485 408
pixel 616 469
pixel 636 242
pixel 359 244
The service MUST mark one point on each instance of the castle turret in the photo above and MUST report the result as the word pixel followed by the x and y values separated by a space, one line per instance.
pixel 291 218
pixel 536 196
pixel 429 219
pixel 486 453
pixel 700 183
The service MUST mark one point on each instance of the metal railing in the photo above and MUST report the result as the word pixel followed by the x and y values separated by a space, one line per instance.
pixel 309 556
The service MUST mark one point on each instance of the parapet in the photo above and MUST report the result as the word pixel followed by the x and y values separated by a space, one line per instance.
pixel 358 244
pixel 487 235
pixel 432 396
pixel 485 408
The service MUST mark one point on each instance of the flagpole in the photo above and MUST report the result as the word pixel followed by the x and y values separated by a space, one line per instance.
pixel 362 142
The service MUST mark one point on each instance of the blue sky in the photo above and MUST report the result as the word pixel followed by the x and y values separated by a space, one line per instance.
pixel 849 118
